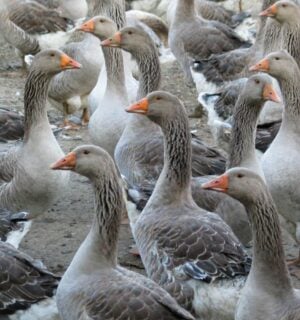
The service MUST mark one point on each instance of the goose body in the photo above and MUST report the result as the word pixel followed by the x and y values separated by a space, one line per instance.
pixel 183 247
pixel 192 37
pixel 94 281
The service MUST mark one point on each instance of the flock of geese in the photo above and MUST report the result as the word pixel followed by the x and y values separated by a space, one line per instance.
pixel 196 210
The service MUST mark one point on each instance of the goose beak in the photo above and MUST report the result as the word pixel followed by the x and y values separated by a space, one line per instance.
pixel 269 12
pixel 219 184
pixel 66 163
pixel 88 26
pixel 114 41
pixel 269 93
pixel 68 63
pixel 262 65
pixel 140 107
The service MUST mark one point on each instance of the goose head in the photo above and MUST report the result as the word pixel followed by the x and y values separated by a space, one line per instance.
pixel 157 106
pixel 102 27
pixel 53 62
pixel 130 39
pixel 259 87
pixel 86 160
pixel 279 64
pixel 240 183
pixel 282 11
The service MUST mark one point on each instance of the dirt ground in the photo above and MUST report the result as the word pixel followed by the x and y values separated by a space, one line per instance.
pixel 55 237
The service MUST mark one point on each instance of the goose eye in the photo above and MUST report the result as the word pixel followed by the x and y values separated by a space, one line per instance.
pixel 130 32
pixel 284 5
pixel 158 98
pixel 240 175
pixel 86 152
pixel 257 81
pixel 52 54
pixel 277 58
pixel 101 20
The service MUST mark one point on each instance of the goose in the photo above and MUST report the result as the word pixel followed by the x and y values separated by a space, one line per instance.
pixel 139 152
pixel 281 171
pixel 268 292
pixel 189 251
pixel 94 281
pixel 26 182
pixel 287 14
pixel 69 91
pixel 257 90
pixel 109 119
pixel 25 283
pixel 192 37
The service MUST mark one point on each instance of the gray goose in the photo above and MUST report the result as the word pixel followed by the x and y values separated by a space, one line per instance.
pixel 280 162
pixel 23 281
pixel 69 91
pixel 109 119
pixel 139 152
pixel 94 285
pixel 268 292
pixel 26 182
pixel 192 37
pixel 257 90
pixel 190 252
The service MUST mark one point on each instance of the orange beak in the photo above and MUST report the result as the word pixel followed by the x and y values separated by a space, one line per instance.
pixel 269 93
pixel 262 65
pixel 269 12
pixel 139 107
pixel 68 63
pixel 66 163
pixel 219 184
pixel 114 41
pixel 88 26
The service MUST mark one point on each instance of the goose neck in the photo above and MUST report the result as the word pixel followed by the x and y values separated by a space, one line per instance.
pixel 35 97
pixel 184 9
pixel 268 265
pixel 114 9
pixel 174 180
pixel 291 97
pixel 18 37
pixel 149 67
pixel 115 71
pixel 109 206
pixel 242 146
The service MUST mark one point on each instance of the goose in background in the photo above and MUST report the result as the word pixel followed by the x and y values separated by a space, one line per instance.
pixel 192 37
pixel 268 292
pixel 108 121
pixel 26 286
pixel 26 182
pixel 190 252
pixel 69 91
pixel 94 281
pixel 279 162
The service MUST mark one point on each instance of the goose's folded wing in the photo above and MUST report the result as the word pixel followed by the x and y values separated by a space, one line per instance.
pixel 23 281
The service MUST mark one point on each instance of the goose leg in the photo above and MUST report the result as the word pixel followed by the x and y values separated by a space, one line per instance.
pixel 85 118
pixel 67 124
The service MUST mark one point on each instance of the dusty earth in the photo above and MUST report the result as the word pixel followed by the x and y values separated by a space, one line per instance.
pixel 55 237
